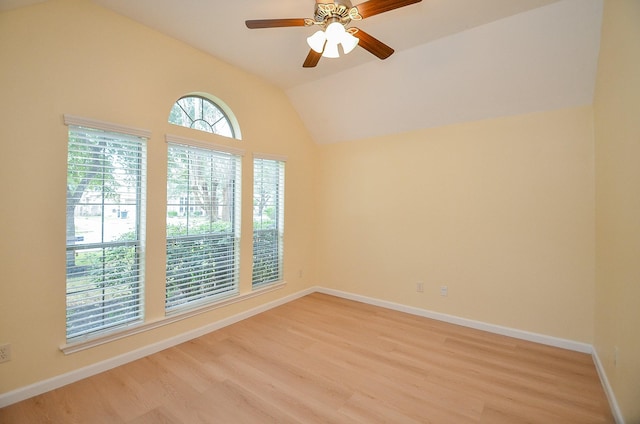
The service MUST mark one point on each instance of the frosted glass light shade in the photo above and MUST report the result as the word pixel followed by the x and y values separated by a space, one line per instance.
pixel 331 50
pixel 349 42
pixel 335 32
pixel 316 41
pixel 327 42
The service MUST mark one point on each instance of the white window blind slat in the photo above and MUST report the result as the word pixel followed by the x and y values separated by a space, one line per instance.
pixel 203 217
pixel 105 192
pixel 185 141
pixel 268 220
pixel 96 292
pixel 123 311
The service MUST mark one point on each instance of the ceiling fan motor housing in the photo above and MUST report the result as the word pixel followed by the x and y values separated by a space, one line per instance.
pixel 335 11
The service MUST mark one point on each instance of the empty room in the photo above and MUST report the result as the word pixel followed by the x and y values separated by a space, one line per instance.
pixel 308 211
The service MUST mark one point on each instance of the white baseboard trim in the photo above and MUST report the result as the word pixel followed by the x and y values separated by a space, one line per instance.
pixel 497 329
pixel 40 387
pixel 44 386
pixel 465 322
pixel 613 403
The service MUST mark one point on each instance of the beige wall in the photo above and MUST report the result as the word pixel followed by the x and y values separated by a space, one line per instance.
pixel 500 211
pixel 70 56
pixel 617 125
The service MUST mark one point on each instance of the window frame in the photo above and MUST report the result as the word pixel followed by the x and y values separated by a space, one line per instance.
pixel 216 104
pixel 263 257
pixel 172 307
pixel 132 310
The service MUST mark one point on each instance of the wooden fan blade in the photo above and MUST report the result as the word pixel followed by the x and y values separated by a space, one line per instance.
pixel 312 59
pixel 372 45
pixel 375 7
pixel 274 23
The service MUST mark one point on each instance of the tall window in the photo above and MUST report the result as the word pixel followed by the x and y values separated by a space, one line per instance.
pixel 201 114
pixel 203 225
pixel 105 209
pixel 268 220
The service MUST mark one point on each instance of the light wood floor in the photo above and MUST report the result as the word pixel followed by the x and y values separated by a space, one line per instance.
pixel 321 359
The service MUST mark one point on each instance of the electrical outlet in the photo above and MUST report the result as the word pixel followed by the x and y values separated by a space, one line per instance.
pixel 420 287
pixel 5 352
pixel 444 290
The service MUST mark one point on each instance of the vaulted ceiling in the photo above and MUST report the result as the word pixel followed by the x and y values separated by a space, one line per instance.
pixel 454 61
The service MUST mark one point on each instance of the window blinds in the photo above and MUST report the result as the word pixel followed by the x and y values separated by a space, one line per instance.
pixel 268 220
pixel 105 201
pixel 203 225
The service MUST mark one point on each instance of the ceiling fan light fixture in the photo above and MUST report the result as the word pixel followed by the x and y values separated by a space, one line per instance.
pixel 331 50
pixel 316 41
pixel 334 32
pixel 334 16
pixel 349 42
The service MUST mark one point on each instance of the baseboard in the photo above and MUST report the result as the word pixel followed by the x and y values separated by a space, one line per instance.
pixel 613 403
pixel 44 386
pixel 40 387
pixel 497 329
pixel 491 328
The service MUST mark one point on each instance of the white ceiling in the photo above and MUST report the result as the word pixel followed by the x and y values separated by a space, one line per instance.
pixel 455 60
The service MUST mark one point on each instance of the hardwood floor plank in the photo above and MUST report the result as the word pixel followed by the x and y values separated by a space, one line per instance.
pixel 364 409
pixel 156 416
pixel 323 359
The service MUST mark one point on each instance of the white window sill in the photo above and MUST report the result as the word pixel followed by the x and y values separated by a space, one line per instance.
pixel 130 330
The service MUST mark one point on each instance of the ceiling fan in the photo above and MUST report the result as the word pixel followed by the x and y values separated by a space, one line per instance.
pixel 333 16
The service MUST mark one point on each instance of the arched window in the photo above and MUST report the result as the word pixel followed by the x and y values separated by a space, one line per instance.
pixel 200 113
